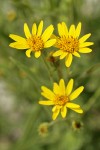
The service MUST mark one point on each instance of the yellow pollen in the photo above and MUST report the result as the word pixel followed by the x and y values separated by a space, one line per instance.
pixel 35 43
pixel 68 44
pixel 61 100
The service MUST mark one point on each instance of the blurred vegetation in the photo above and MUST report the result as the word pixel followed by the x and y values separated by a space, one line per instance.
pixel 24 124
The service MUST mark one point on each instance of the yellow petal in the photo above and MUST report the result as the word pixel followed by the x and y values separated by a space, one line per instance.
pixel 62 87
pixel 56 88
pixel 55 114
pixel 85 50
pixel 65 29
pixel 17 38
pixel 47 33
pixel 72 31
pixel 53 36
pixel 28 52
pixel 76 93
pixel 13 44
pixel 18 45
pixel 63 111
pixel 78 30
pixel 40 28
pixel 58 53
pixel 60 30
pixel 72 105
pixel 26 30
pixel 34 29
pixel 54 108
pixel 78 110
pixel 76 54
pixel 37 54
pixel 68 60
pixel 49 43
pixel 47 93
pixel 84 38
pixel 46 102
pixel 69 87
pixel 63 55
pixel 85 44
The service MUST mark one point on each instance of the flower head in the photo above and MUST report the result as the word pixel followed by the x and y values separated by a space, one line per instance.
pixel 69 43
pixel 34 42
pixel 61 98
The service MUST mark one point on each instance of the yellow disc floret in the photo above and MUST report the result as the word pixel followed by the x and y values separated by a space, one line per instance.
pixel 68 44
pixel 35 43
pixel 61 100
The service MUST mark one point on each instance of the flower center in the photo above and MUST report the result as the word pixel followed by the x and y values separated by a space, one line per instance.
pixel 61 100
pixel 35 43
pixel 68 44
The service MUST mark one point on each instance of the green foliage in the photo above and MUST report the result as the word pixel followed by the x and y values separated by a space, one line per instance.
pixel 24 76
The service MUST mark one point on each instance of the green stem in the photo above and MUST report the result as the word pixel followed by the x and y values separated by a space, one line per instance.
pixel 29 128
pixel 48 69
pixel 92 100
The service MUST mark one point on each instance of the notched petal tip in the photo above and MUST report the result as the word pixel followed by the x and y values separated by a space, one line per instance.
pixel 51 26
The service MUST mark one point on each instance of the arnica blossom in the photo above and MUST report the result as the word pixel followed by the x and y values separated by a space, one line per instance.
pixel 34 42
pixel 61 98
pixel 70 44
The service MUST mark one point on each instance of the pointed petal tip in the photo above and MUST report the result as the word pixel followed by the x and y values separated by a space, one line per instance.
pixel 82 112
pixel 89 34
pixel 80 24
pixel 61 80
pixel 39 102
pixel 72 80
pixel 25 23
pixel 41 21
pixel 28 56
pixel 52 26
pixel 53 118
pixel 12 45
pixel 76 93
pixel 43 87
pixel 10 35
pixel 82 88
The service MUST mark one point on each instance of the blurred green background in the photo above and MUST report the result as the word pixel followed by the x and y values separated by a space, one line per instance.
pixel 22 119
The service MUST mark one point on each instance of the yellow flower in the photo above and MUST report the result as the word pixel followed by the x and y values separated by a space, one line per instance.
pixel 34 42
pixel 69 43
pixel 61 98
